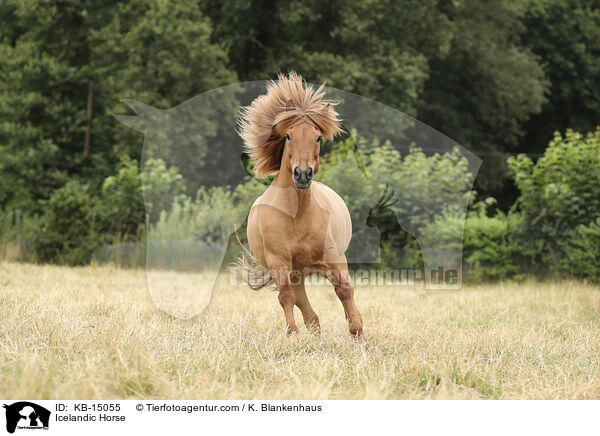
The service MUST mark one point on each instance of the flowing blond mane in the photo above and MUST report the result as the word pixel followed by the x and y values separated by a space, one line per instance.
pixel 288 101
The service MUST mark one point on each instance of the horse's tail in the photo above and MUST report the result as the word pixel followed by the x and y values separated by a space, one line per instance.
pixel 249 270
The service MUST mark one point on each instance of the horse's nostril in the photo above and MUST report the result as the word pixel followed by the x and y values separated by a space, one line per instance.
pixel 309 172
pixel 296 173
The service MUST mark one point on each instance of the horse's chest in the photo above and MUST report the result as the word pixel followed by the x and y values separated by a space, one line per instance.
pixel 310 239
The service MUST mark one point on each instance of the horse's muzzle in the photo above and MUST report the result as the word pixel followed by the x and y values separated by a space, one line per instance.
pixel 303 177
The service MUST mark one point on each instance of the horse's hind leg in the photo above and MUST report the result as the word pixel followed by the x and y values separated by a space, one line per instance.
pixel 311 320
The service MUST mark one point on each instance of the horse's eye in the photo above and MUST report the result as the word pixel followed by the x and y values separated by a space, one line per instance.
pixel 287 137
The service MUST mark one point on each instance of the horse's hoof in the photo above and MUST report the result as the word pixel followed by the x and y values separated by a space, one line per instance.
pixel 292 330
pixel 356 331
pixel 313 325
pixel 314 328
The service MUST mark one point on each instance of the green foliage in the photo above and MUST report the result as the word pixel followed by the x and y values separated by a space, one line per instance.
pixel 458 66
pixel 560 190
pixel 339 171
pixel 15 233
pixel 483 88
pixel 558 193
pixel 216 211
pixel 67 235
pixel 210 217
pixel 492 75
pixel 582 252
pixel 354 45
pixel 443 233
pixel 161 186
pixel 430 185
pixel 76 223
pixel 177 224
pixel 158 52
pixel 490 250
pixel 194 233
pixel 43 92
pixel 565 35
pixel 123 209
pixel 425 178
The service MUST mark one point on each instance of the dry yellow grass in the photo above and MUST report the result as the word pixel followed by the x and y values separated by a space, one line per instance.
pixel 93 333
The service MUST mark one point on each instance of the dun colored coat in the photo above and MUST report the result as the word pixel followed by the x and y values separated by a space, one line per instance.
pixel 298 226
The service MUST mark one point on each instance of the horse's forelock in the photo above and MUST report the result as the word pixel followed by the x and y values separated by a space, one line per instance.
pixel 288 102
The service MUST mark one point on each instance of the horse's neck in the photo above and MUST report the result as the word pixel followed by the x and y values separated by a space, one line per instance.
pixel 283 195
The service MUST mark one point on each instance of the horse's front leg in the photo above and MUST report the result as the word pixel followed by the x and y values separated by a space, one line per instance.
pixel 280 271
pixel 337 274
pixel 310 317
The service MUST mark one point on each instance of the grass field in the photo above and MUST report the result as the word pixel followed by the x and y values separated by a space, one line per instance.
pixel 93 333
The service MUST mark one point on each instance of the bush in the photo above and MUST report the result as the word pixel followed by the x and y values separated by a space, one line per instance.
pixel 15 235
pixel 75 223
pixel 430 184
pixel 193 233
pixel 121 209
pixel 67 235
pixel 442 232
pixel 426 186
pixel 489 249
pixel 210 218
pixel 161 187
pixel 124 208
pixel 583 252
pixel 558 192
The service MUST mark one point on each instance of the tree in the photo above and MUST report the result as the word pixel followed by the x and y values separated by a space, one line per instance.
pixel 378 49
pixel 458 66
pixel 558 192
pixel 131 197
pixel 159 53
pixel 565 35
pixel 67 235
pixel 485 86
pixel 51 51
pixel 44 82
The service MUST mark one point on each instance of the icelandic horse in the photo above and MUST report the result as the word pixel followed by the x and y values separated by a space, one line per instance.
pixel 298 226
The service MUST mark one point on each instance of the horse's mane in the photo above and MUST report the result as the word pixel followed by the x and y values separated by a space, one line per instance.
pixel 288 101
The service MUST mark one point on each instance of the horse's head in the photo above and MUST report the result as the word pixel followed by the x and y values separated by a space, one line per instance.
pixel 301 153
pixel 283 129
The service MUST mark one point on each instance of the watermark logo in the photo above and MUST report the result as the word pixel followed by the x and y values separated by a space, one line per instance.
pixel 407 188
pixel 442 278
pixel 24 415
